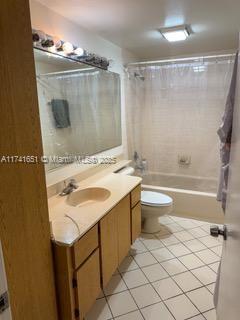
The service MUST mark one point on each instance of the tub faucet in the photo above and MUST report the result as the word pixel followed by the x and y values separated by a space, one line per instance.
pixel 69 188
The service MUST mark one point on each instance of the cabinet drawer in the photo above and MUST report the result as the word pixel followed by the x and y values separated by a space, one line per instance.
pixel 85 246
pixel 135 196
pixel 88 283
pixel 136 221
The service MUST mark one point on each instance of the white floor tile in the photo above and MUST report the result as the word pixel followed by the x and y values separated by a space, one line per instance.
pixel 183 236
pixel 199 317
pixel 135 315
pixel 162 254
pixel 167 288
pixel 99 311
pixel 187 281
pixel 165 220
pixel 138 247
pixel 163 232
pixel 177 219
pixel 209 241
pixel 217 250
pixel 181 307
pixel 207 256
pixel 156 312
pixel 214 266
pixel 206 228
pixel 210 315
pixel 145 296
pixel 205 275
pixel 170 240
pixel 121 303
pixel 198 232
pixel 134 278
pixel 187 224
pixel 152 244
pixel 211 287
pixel 191 261
pixel 202 299
pixel 145 259
pixel 195 245
pixel 155 272
pixel 128 264
pixel 179 250
pixel 173 266
pixel 174 227
pixel 115 285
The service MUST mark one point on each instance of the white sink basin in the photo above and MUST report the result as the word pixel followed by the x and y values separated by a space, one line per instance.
pixel 87 196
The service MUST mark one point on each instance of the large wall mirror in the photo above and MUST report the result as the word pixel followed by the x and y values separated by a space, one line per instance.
pixel 80 108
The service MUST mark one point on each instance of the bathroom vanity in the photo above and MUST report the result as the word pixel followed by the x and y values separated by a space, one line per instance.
pixel 91 237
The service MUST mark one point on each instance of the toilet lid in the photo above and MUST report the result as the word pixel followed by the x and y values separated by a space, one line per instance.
pixel 151 198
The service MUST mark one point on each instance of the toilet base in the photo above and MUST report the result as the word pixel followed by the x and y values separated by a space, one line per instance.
pixel 151 225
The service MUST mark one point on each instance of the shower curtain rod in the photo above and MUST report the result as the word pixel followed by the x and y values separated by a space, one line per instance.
pixel 181 59
pixel 64 72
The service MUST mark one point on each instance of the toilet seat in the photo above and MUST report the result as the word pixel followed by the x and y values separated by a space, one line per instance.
pixel 155 199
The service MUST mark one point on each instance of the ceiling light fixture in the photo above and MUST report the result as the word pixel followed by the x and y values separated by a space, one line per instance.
pixel 173 34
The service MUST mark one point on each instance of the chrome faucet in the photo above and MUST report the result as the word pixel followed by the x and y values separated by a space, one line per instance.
pixel 69 188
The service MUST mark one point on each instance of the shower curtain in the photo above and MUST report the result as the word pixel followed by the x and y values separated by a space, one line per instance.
pixel 174 110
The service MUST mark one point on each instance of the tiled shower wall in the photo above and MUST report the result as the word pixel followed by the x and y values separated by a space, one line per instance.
pixel 175 111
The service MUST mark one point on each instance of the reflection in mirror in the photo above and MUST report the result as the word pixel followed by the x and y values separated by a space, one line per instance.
pixel 80 108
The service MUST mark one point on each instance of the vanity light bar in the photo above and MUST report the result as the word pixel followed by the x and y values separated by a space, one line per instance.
pixel 66 49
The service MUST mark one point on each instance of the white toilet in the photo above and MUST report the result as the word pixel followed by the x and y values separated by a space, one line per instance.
pixel 154 204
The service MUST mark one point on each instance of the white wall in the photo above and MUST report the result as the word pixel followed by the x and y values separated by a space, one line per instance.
pixel 54 24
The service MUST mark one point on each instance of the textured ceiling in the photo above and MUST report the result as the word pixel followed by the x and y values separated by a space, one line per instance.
pixel 133 24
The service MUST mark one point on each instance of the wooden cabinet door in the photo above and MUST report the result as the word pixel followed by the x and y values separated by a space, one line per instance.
pixel 88 283
pixel 136 221
pixel 109 245
pixel 124 227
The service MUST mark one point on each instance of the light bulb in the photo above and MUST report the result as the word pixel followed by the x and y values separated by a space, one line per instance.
pixel 67 47
pixel 79 51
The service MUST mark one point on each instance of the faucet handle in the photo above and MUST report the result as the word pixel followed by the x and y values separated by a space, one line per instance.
pixel 73 183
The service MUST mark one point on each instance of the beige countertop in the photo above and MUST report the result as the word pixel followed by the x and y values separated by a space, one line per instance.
pixel 69 223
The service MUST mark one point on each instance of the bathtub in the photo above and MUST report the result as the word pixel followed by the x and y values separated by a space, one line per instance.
pixel 193 197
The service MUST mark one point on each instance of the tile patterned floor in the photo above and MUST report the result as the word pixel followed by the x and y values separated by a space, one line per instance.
pixel 167 276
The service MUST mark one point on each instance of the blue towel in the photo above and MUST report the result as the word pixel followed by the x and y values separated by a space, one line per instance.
pixel 60 110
